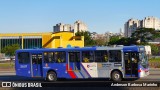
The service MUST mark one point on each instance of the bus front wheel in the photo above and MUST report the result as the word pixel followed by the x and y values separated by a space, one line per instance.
pixel 116 76
pixel 51 76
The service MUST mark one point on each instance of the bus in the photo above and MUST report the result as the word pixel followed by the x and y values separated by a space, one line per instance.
pixel 115 63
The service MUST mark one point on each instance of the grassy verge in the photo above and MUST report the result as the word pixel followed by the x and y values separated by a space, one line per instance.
pixel 7 65
pixel 154 62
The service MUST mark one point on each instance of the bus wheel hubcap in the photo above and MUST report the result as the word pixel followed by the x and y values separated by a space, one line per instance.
pixel 116 76
pixel 51 76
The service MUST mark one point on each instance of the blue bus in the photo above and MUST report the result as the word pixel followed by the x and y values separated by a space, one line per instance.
pixel 115 63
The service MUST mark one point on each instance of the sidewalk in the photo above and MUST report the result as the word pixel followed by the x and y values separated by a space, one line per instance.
pixel 154 68
pixel 6 70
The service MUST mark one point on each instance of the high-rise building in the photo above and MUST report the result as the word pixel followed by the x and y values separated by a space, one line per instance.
pixel 130 26
pixel 133 24
pixel 78 26
pixel 62 27
pixel 121 33
pixel 151 22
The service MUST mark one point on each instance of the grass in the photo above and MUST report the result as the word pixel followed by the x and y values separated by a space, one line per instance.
pixel 154 60
pixel 7 65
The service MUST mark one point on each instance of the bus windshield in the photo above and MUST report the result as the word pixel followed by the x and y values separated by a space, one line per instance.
pixel 143 59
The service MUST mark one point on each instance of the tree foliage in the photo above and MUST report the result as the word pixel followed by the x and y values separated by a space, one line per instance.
pixel 10 49
pixel 101 40
pixel 154 49
pixel 122 41
pixel 113 40
pixel 88 41
pixel 144 34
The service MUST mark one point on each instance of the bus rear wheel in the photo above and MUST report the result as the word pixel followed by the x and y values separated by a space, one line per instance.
pixel 116 76
pixel 51 76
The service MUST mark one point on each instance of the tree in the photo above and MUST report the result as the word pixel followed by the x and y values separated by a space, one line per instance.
pixel 154 49
pixel 10 49
pixel 88 41
pixel 101 40
pixel 156 34
pixel 144 34
pixel 113 40
pixel 122 41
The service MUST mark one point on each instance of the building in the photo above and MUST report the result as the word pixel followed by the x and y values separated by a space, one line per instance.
pixel 106 36
pixel 41 40
pixel 151 22
pixel 133 24
pixel 97 36
pixel 130 26
pixel 62 27
pixel 78 26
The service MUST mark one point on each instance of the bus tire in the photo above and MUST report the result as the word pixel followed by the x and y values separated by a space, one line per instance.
pixel 116 76
pixel 51 76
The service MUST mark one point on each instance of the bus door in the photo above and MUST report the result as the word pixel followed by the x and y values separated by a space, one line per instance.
pixel 23 65
pixel 36 65
pixel 74 61
pixel 131 64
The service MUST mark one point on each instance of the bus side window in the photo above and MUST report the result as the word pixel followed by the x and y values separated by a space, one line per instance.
pixel 34 59
pixel 101 56
pixel 60 57
pixel 98 56
pixel 49 57
pixel 23 57
pixel 87 56
pixel 46 57
pixel 39 59
pixel 115 56
pixel 105 56
pixel 74 56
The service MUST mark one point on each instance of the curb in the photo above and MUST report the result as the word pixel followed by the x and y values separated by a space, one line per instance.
pixel 7 71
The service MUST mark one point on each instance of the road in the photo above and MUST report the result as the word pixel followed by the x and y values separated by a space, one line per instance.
pixel 6 76
pixel 10 76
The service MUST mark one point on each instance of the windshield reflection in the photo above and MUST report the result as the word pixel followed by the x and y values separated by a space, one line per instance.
pixel 143 59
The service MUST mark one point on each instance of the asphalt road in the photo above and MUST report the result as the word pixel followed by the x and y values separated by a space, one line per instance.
pixel 6 76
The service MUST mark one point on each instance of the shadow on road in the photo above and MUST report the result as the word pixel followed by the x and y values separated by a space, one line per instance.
pixel 21 78
pixel 74 84
pixel 18 78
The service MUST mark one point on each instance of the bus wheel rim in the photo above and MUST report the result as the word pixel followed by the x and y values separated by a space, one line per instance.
pixel 116 76
pixel 51 76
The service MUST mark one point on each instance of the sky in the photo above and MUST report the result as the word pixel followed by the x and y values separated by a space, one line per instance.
pixel 27 16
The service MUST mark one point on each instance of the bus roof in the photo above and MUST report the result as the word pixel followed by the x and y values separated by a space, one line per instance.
pixel 133 48
pixel 69 49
